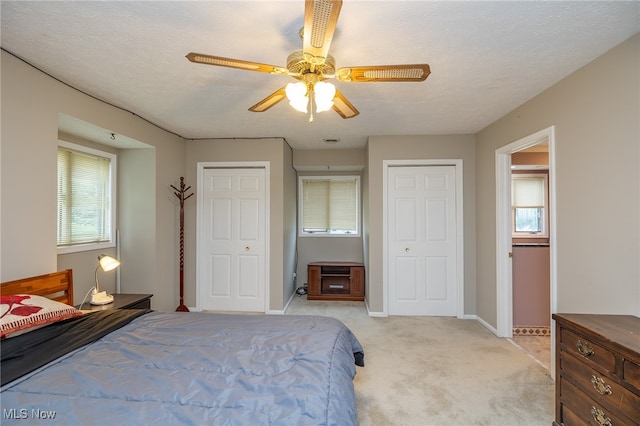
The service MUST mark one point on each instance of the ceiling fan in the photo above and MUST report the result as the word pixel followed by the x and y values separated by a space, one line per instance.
pixel 313 64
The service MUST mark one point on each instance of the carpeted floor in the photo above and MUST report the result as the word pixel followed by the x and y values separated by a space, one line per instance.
pixel 439 371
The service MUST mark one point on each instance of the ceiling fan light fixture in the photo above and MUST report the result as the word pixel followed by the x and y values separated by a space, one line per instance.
pixel 297 95
pixel 324 94
pixel 313 64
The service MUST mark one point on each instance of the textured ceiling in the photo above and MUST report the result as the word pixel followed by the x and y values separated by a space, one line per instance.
pixel 486 59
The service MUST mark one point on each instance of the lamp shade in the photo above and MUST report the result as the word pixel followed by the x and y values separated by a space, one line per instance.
pixel 297 95
pixel 108 263
pixel 324 94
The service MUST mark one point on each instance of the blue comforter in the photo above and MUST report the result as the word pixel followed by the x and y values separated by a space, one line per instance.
pixel 199 369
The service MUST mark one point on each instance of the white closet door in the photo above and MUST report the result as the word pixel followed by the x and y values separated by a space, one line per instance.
pixel 422 240
pixel 232 252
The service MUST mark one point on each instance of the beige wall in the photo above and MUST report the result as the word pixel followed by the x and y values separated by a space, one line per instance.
pixel 282 252
pixel 596 116
pixel 31 104
pixel 289 224
pixel 530 158
pixel 137 193
pixel 328 162
pixel 380 148
pixel 595 112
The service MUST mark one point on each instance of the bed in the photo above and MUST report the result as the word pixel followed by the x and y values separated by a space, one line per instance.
pixel 125 367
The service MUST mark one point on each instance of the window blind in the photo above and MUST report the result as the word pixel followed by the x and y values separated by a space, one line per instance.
pixel 527 192
pixel 84 198
pixel 329 205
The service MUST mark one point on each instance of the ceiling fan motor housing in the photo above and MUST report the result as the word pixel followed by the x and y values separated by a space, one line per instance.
pixel 298 65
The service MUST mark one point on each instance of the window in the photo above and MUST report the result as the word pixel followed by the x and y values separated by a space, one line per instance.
pixel 529 200
pixel 86 200
pixel 329 205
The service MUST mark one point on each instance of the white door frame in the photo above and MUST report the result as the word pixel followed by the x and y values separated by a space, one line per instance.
pixel 504 277
pixel 386 164
pixel 201 166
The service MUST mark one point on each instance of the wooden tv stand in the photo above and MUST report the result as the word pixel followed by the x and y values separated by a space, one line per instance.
pixel 335 281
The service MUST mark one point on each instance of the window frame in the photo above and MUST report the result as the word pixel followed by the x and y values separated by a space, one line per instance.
pixel 302 232
pixel 80 247
pixel 545 208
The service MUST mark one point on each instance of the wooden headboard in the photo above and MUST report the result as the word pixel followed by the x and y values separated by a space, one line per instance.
pixel 57 286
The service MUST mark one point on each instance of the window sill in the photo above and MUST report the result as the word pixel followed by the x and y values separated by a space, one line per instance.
pixel 85 247
pixel 330 235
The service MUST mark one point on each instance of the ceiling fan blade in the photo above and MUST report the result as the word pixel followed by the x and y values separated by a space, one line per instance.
pixel 269 101
pixel 413 72
pixel 343 107
pixel 234 63
pixel 320 20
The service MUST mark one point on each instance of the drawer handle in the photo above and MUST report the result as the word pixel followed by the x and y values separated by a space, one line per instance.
pixel 600 417
pixel 584 349
pixel 335 286
pixel 600 386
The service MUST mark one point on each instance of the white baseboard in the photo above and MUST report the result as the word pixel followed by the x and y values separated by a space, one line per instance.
pixel 486 325
pixel 372 313
pixel 286 306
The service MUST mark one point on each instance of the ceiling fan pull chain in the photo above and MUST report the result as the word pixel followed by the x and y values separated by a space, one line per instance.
pixel 311 103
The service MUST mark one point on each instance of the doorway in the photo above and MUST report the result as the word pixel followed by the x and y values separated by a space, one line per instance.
pixel 504 241
pixel 232 237
pixel 423 259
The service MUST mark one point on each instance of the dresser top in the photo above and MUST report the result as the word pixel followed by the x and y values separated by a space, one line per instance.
pixel 336 264
pixel 622 330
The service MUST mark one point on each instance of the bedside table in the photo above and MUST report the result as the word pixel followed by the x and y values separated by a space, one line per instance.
pixel 122 301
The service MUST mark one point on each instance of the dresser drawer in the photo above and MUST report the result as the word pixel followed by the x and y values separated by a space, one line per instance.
pixel 577 408
pixel 586 350
pixel 631 373
pixel 569 418
pixel 600 388
pixel 336 285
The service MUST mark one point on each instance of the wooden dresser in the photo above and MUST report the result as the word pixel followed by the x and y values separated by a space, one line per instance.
pixel 335 281
pixel 597 369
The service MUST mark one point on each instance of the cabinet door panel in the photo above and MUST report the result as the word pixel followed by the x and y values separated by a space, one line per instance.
pixel 357 282
pixel 313 281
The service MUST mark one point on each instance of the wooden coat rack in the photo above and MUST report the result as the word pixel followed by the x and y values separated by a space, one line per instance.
pixel 180 193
